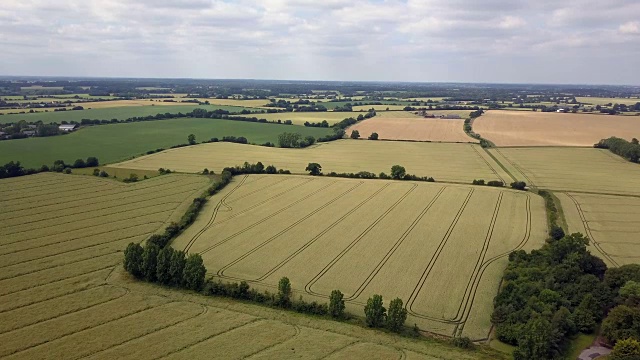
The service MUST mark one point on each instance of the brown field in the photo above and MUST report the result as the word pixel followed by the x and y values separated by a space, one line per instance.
pixel 529 128
pixel 571 169
pixel 610 222
pixel 63 293
pixel 413 128
pixel 603 101
pixel 444 162
pixel 356 236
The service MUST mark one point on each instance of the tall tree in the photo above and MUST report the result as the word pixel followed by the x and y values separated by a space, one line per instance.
pixel 133 259
pixel 374 311
pixel 163 266
pixel 284 292
pixel 336 304
pixel 192 139
pixel 396 315
pixel 149 261
pixel 194 272
pixel 178 261
pixel 398 172
pixel 314 169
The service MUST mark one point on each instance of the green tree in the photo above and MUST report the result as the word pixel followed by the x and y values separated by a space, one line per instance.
pixel 355 134
pixel 96 172
pixel 374 311
pixel 584 315
pixel 289 140
pixel 192 139
pixel 163 266
pixel 373 136
pixel 176 269
pixel 622 322
pixel 398 172
pixel 194 272
pixel 396 315
pixel 314 169
pixel 627 349
pixel 271 169
pixel 336 304
pixel 79 164
pixel 133 259
pixel 284 292
pixel 536 341
pixel 92 161
pixel 150 261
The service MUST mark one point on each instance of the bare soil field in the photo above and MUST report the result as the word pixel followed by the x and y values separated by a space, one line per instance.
pixel 414 129
pixel 356 236
pixel 610 222
pixel 571 169
pixel 530 128
pixel 444 162
pixel 63 293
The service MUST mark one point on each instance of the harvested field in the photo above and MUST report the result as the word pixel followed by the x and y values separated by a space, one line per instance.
pixel 571 169
pixel 610 222
pixel 530 128
pixel 299 118
pixel 604 101
pixel 63 293
pixel 413 128
pixel 356 236
pixel 444 162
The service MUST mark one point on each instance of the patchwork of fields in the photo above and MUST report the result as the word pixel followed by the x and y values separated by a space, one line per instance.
pixel 444 162
pixel 299 118
pixel 529 128
pixel 359 235
pixel 407 126
pixel 63 293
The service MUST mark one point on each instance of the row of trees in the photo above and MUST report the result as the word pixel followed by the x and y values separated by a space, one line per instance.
pixel 621 147
pixel 397 173
pixel 15 168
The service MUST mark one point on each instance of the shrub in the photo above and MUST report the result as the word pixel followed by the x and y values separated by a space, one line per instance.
pixel 462 342
pixel 336 304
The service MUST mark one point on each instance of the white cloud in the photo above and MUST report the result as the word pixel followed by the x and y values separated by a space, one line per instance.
pixel 631 27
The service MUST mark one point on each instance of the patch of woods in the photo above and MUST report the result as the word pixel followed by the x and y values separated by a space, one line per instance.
pixel 621 147
pixel 398 172
pixel 15 168
pixel 552 294
pixel 516 185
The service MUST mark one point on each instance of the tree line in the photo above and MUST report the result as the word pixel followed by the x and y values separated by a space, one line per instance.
pixel 15 168
pixel 398 172
pixel 621 147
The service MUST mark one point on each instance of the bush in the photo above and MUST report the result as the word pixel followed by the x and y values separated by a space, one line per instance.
pixel 462 342
pixel 373 136
pixel 478 182
pixel 519 185
pixel 495 183
pixel 79 164
pixel 336 304
pixel 396 315
pixel 92 162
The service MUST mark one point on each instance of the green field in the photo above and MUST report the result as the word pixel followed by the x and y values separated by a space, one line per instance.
pixel 119 113
pixel 118 142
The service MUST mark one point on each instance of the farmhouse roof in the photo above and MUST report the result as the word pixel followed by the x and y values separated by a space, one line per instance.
pixel 67 127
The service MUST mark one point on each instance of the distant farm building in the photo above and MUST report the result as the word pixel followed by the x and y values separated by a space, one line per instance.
pixel 68 127
pixel 29 132
pixel 450 116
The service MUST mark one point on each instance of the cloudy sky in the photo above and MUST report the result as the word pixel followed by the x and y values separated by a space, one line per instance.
pixel 514 41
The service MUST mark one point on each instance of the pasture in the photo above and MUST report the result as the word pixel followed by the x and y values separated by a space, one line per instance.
pixel 532 128
pixel 63 293
pixel 610 222
pixel 117 142
pixel 571 169
pixel 357 236
pixel 407 126
pixel 108 113
pixel 444 162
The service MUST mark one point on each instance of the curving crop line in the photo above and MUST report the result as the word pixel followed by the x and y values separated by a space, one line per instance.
pixel 266 218
pixel 221 271
pixel 395 247
pixel 434 258
pixel 316 278
pixel 321 234
pixel 489 165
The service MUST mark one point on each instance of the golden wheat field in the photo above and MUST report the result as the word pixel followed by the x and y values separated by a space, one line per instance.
pixel 530 128
pixel 610 222
pixel 441 248
pixel 444 162
pixel 413 129
pixel 64 295
pixel 571 169
pixel 299 118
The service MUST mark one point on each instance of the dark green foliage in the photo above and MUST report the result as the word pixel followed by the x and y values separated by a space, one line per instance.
pixel 374 311
pixel 163 265
pixel 104 174
pixel 627 349
pixel 11 169
pixel 477 182
pixel 92 161
pixel 79 164
pixel 149 261
pixel 538 341
pixel 176 269
pixel 336 304
pixel 373 136
pixel 621 147
pixel 355 134
pixel 133 259
pixel 622 322
pixel 519 185
pixel 396 315
pixel 462 342
pixel 495 183
pixel 615 278
pixel 96 172
pixel 67 171
pixel 586 314
pixel 314 169
pixel 194 272
pixel 284 292
pixel 350 121
pixel 191 139
pixel 131 179
pixel 556 232
pixel 271 169
pixel 398 172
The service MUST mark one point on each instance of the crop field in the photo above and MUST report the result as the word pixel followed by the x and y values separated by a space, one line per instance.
pixel 610 222
pixel 444 162
pixel 604 101
pixel 299 118
pixel 108 113
pixel 532 128
pixel 357 235
pixel 571 169
pixel 379 107
pixel 63 293
pixel 413 128
pixel 117 142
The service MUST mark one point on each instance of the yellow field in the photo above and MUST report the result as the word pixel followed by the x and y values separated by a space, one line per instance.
pixel 357 236
pixel 444 162
pixel 571 169
pixel 63 293
pixel 378 107
pixel 532 128
pixel 413 128
pixel 603 101
pixel 257 103
pixel 299 118
pixel 611 222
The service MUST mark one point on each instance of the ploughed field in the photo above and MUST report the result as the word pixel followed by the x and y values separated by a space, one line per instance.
pixel 407 126
pixel 444 162
pixel 530 128
pixel 64 295
pixel 441 248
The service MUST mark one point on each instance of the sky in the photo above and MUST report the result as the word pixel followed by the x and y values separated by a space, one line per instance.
pixel 496 41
